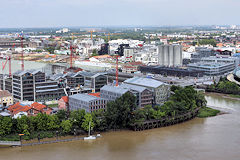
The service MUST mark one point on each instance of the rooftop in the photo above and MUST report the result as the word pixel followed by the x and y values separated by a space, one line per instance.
pixel 146 82
pixel 84 97
pixel 114 89
pixel 4 93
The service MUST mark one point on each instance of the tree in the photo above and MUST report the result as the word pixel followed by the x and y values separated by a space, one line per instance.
pixel 99 120
pixel 87 119
pixel 5 125
pixel 77 118
pixel 53 122
pixel 62 115
pixel 66 126
pixel 94 52
pixel 120 112
pixel 22 125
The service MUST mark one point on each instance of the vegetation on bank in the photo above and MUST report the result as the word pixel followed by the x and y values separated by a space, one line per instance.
pixel 120 114
pixel 224 86
pixel 207 112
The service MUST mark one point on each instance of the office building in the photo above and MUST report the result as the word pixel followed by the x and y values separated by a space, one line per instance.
pixel 160 90
pixel 87 102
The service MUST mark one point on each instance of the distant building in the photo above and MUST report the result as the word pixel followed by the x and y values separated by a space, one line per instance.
pixel 104 49
pixel 87 102
pixel 171 71
pixel 212 69
pixel 131 67
pixel 161 91
pixel 170 55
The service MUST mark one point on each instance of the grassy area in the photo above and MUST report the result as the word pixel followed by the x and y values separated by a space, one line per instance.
pixel 207 112
pixel 234 95
pixel 52 105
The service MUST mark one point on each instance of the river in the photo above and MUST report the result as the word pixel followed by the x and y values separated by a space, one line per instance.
pixel 215 138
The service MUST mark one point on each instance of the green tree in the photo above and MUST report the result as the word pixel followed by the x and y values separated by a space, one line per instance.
pixel 22 125
pixel 62 115
pixel 53 122
pixel 87 119
pixel 120 112
pixel 77 118
pixel 66 126
pixel 5 125
pixel 99 120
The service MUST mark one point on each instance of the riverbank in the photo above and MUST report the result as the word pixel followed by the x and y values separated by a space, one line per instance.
pixel 208 112
pixel 230 96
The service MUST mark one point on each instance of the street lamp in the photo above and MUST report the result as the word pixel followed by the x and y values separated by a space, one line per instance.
pixel 20 138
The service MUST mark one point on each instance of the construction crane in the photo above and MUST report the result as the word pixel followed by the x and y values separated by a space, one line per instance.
pixel 111 34
pixel 117 70
pixel 91 34
pixel 8 59
pixel 22 51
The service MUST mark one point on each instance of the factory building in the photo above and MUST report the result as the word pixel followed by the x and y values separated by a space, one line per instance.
pixel 170 55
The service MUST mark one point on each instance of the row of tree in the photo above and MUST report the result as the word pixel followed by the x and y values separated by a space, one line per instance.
pixel 224 86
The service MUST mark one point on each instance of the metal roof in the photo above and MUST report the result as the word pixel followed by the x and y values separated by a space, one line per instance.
pixel 146 82
pixel 84 97
pixel 133 87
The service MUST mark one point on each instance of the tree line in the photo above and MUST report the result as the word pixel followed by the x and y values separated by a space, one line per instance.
pixel 120 114
pixel 224 86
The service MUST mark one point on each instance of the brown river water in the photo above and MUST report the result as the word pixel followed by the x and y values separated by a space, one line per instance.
pixel 215 138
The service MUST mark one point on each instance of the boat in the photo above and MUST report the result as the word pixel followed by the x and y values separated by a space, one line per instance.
pixel 89 136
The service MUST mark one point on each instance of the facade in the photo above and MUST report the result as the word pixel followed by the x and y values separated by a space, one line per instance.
pixel 94 80
pixel 212 69
pixel 87 102
pixel 47 91
pixel 170 55
pixel 63 103
pixel 170 71
pixel 32 85
pixel 111 93
pixel 143 95
pixel 6 98
pixel 161 91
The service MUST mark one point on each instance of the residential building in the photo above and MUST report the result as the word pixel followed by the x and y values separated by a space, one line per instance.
pixel 19 109
pixel 161 91
pixel 87 102
pixel 131 67
pixel 6 98
pixel 63 103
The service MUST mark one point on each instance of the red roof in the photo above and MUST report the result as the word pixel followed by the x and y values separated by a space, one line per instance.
pixel 18 107
pixel 65 99
pixel 38 106
pixel 95 94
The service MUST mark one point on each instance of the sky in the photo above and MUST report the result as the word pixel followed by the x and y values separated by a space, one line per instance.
pixel 70 13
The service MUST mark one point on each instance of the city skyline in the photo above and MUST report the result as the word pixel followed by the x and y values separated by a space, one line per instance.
pixel 60 13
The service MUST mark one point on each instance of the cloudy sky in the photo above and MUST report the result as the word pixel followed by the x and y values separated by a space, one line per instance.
pixel 59 13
